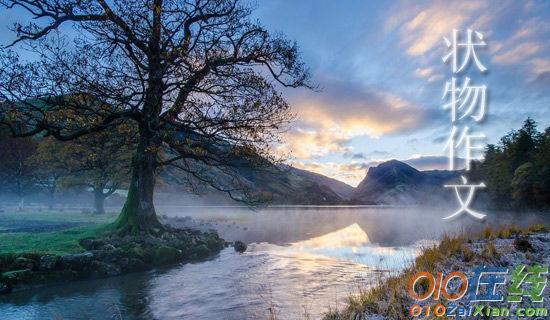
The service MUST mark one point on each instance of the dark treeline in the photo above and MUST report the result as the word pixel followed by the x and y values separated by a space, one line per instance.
pixel 46 170
pixel 517 169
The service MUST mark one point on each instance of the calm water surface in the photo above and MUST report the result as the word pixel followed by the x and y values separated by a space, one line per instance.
pixel 300 262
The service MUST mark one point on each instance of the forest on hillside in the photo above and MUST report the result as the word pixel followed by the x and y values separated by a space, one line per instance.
pixel 516 170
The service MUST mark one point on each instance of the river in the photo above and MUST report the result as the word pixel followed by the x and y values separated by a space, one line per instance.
pixel 300 262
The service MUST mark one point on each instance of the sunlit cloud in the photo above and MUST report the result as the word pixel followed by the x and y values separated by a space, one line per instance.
pixel 518 53
pixel 527 48
pixel 306 144
pixel 428 73
pixel 424 72
pixel 330 119
pixel 541 66
pixel 422 28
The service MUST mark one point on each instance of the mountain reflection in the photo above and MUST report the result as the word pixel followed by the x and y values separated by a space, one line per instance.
pixel 350 236
pixel 349 245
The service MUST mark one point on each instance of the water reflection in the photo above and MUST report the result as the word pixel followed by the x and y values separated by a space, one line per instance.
pixel 299 263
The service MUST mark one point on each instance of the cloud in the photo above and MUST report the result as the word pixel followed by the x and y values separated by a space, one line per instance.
pixel 541 65
pixel 518 53
pixel 330 119
pixel 422 27
pixel 424 72
pixel 541 70
pixel 306 144
pixel 354 155
pixel 527 48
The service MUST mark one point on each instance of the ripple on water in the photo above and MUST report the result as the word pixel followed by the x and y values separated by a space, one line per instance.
pixel 310 275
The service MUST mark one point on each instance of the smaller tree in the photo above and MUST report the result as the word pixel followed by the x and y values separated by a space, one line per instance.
pixel 49 168
pixel 15 171
pixel 101 161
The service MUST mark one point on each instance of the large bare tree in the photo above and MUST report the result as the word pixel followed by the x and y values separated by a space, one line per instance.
pixel 198 77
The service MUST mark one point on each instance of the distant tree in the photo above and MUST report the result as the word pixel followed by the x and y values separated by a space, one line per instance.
pixel 102 162
pixel 48 167
pixel 99 161
pixel 198 78
pixel 522 147
pixel 16 173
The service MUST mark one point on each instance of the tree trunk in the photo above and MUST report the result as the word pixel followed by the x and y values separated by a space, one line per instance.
pixel 99 200
pixel 51 201
pixel 21 203
pixel 138 213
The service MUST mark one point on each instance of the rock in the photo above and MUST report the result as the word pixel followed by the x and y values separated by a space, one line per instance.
pixel 23 263
pixel 522 244
pixel 48 262
pixel 18 276
pixel 91 243
pixel 165 255
pixel 78 261
pixel 108 247
pixel 102 269
pixel 239 246
pixel 151 240
pixel 4 288
pixel 86 243
pixel 201 251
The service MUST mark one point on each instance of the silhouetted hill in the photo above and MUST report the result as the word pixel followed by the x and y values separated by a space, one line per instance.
pixel 343 190
pixel 275 185
pixel 395 182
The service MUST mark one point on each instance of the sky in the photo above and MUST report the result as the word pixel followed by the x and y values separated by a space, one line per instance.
pixel 379 69
pixel 380 76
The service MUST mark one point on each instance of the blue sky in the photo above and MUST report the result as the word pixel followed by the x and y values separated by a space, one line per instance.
pixel 380 74
pixel 378 65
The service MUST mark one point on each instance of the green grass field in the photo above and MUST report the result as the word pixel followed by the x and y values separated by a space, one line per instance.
pixel 58 242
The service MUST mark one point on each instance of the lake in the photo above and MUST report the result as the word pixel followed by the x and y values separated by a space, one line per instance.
pixel 300 262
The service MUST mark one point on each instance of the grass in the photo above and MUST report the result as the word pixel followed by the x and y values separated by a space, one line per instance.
pixel 58 242
pixel 389 296
pixel 52 242
pixel 56 215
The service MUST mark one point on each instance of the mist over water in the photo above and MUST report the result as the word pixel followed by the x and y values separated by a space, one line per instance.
pixel 385 225
pixel 300 261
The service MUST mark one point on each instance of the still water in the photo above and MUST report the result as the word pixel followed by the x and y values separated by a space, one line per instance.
pixel 300 262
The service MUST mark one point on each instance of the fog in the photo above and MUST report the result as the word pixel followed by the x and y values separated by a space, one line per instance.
pixel 386 225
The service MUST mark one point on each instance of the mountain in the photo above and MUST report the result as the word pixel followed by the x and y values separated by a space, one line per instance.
pixel 272 185
pixel 395 182
pixel 342 189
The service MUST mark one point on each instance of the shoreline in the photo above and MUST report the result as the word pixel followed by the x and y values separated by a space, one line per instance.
pixel 506 247
pixel 107 255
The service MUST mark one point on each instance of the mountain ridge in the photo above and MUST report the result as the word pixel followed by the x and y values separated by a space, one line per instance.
pixel 395 182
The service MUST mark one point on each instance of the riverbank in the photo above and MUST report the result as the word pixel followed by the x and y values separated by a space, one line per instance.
pixel 507 247
pixel 93 251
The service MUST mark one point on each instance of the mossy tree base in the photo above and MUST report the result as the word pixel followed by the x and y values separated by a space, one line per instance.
pixel 131 222
pixel 138 214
